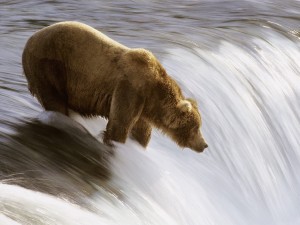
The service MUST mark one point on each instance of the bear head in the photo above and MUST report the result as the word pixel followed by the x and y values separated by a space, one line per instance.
pixel 184 124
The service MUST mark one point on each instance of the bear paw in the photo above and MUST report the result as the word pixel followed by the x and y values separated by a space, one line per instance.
pixel 106 139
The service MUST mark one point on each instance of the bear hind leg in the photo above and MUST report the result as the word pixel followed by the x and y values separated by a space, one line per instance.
pixel 51 99
pixel 50 91
pixel 53 102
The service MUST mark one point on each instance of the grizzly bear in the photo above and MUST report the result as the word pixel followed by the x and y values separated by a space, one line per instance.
pixel 70 65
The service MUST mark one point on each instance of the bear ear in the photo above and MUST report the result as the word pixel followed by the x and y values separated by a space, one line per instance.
pixel 193 101
pixel 185 106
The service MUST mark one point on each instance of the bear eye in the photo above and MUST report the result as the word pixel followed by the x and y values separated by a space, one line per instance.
pixel 194 127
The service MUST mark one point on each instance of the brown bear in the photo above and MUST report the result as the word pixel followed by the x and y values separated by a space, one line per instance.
pixel 70 65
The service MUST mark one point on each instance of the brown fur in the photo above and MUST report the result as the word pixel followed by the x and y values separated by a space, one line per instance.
pixel 71 65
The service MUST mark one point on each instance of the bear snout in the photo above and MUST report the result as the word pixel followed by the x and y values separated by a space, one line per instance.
pixel 199 146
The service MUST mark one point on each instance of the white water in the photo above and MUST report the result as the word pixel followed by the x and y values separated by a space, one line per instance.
pixel 249 101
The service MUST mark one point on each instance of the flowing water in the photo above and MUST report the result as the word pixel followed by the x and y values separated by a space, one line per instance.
pixel 240 61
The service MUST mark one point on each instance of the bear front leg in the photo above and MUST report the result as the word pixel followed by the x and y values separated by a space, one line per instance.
pixel 141 132
pixel 126 107
pixel 116 131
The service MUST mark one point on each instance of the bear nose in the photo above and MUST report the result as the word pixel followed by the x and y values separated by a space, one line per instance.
pixel 205 145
